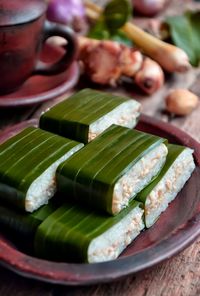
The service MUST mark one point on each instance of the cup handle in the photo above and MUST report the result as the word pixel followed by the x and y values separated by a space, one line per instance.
pixel 53 29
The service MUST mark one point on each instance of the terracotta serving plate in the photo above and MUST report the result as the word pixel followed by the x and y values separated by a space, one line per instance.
pixel 38 89
pixel 177 227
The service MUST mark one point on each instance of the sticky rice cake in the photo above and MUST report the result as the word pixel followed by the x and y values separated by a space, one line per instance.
pixel 28 163
pixel 175 173
pixel 74 233
pixel 109 171
pixel 86 114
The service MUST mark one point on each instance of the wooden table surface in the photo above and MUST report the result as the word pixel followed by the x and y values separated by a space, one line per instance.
pixel 177 276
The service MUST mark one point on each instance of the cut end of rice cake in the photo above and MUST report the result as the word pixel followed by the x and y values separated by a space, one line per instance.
pixel 125 115
pixel 44 187
pixel 137 177
pixel 109 245
pixel 169 186
pixel 28 162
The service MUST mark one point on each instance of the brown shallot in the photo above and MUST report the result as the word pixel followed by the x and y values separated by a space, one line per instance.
pixel 181 101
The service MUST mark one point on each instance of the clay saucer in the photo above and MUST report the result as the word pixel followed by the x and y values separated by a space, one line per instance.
pixel 38 89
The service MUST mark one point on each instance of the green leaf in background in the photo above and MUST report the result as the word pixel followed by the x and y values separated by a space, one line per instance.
pixel 115 15
pixel 99 30
pixel 185 33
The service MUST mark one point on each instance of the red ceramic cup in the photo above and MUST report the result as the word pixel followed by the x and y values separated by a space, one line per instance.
pixel 23 31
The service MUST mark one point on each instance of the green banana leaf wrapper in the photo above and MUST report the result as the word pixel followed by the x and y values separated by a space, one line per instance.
pixel 73 117
pixel 67 233
pixel 90 175
pixel 24 157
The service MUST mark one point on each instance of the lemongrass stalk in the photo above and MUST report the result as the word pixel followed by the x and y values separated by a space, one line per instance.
pixel 170 57
pixel 92 15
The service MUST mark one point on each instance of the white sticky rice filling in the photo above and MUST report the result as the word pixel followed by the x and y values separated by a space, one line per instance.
pixel 111 243
pixel 44 187
pixel 138 177
pixel 167 189
pixel 125 114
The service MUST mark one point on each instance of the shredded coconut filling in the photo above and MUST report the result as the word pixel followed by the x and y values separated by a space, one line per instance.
pixel 125 115
pixel 111 243
pixel 138 177
pixel 167 189
pixel 44 187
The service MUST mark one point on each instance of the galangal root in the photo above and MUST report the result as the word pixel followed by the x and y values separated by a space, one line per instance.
pixel 105 62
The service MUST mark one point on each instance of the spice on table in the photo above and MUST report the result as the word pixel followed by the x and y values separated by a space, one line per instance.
pixel 170 57
pixel 181 102
pixel 106 61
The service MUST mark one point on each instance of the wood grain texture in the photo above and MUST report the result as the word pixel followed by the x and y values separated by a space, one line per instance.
pixel 178 276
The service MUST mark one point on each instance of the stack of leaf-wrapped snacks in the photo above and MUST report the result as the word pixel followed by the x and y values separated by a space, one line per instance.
pixel 108 190
pixel 88 113
pixel 173 176
pixel 28 164
pixel 109 171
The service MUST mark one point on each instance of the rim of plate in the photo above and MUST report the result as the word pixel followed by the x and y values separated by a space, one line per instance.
pixel 29 100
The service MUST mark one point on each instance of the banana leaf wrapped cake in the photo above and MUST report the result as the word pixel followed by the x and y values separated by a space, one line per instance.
pixel 88 113
pixel 79 234
pixel 175 173
pixel 108 172
pixel 28 164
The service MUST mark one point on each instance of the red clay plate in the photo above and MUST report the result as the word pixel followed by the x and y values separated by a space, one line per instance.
pixel 175 230
pixel 38 89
